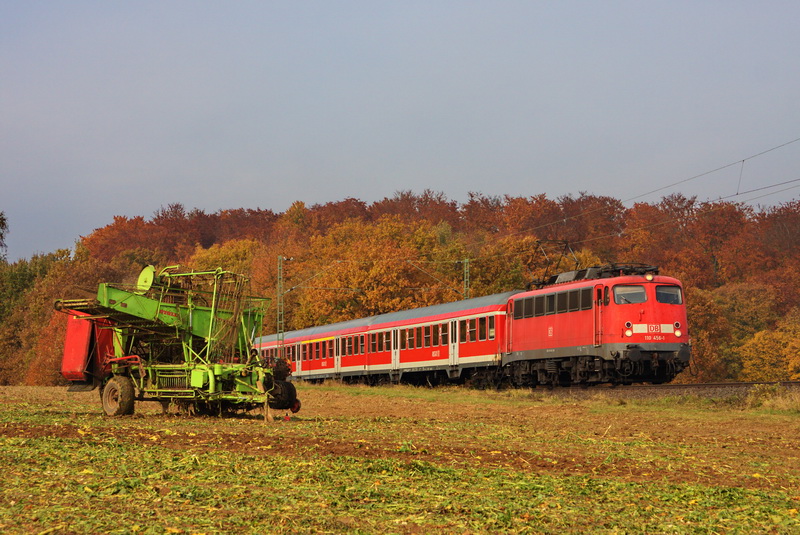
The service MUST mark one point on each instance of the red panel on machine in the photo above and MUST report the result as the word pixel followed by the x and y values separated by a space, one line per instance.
pixel 76 347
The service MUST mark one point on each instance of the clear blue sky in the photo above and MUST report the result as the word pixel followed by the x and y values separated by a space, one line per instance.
pixel 119 108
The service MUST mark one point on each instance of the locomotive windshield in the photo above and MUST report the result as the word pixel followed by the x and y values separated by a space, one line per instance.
pixel 670 295
pixel 626 294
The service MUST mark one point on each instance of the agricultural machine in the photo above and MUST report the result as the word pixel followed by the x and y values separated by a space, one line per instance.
pixel 183 339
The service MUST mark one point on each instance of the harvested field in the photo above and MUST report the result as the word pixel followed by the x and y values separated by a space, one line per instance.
pixel 405 460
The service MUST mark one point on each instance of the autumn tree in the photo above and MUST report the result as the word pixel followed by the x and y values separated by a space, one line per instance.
pixel 236 256
pixel 773 355
pixel 322 217
pixel 22 336
pixel 535 216
pixel 709 329
pixel 431 206
pixel 593 221
pixel 482 215
pixel 359 270
pixel 3 231
pixel 121 235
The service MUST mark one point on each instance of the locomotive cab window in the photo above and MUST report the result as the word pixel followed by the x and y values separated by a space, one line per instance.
pixel 628 294
pixel 670 295
pixel 518 308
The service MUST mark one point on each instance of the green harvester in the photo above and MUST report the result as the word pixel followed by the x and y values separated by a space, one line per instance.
pixel 184 339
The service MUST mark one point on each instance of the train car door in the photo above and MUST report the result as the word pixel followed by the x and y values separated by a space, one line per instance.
pixel 395 349
pixel 597 315
pixel 453 342
pixel 509 331
pixel 294 353
pixel 337 355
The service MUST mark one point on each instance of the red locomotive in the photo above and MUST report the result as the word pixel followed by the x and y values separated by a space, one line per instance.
pixel 619 323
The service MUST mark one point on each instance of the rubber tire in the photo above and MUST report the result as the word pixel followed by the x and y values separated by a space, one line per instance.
pixel 117 396
pixel 282 396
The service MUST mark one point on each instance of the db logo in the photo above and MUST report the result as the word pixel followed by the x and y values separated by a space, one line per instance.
pixel 654 328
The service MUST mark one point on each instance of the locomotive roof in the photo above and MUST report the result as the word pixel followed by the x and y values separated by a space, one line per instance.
pixel 433 311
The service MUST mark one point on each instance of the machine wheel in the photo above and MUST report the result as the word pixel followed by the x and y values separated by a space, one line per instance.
pixel 283 396
pixel 117 396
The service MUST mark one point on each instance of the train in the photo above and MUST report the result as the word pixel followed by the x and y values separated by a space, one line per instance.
pixel 610 324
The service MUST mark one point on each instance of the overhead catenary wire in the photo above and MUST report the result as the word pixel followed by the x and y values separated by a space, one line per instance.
pixel 565 220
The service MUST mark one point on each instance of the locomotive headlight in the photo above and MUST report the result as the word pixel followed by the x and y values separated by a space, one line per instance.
pixel 678 333
pixel 628 332
pixel 649 277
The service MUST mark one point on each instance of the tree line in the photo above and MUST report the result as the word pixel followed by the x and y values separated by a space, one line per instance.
pixel 347 259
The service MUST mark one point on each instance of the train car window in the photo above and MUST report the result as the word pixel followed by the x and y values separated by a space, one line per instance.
pixel 518 308
pixel 482 329
pixel 445 337
pixel 403 341
pixel 473 330
pixel 561 302
pixel 606 299
pixel 462 336
pixel 427 329
pixel 626 294
pixel 435 336
pixel 419 337
pixel 539 306
pixel 670 295
pixel 491 327
pixel 574 300
pixel 586 299
pixel 387 341
pixel 373 342
pixel 550 304
pixel 362 347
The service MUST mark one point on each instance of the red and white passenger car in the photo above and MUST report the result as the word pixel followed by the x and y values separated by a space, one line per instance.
pixel 619 323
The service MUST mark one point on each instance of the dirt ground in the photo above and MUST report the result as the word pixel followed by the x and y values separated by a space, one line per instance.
pixel 610 437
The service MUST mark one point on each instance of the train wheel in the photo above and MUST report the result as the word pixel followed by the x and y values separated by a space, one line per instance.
pixel 117 396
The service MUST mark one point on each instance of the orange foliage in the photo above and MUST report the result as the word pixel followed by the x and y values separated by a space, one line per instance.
pixel 348 258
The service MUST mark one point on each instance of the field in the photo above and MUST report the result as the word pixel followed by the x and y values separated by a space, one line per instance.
pixel 406 460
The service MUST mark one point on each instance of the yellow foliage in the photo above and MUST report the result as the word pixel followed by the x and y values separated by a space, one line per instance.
pixel 773 355
pixel 235 255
